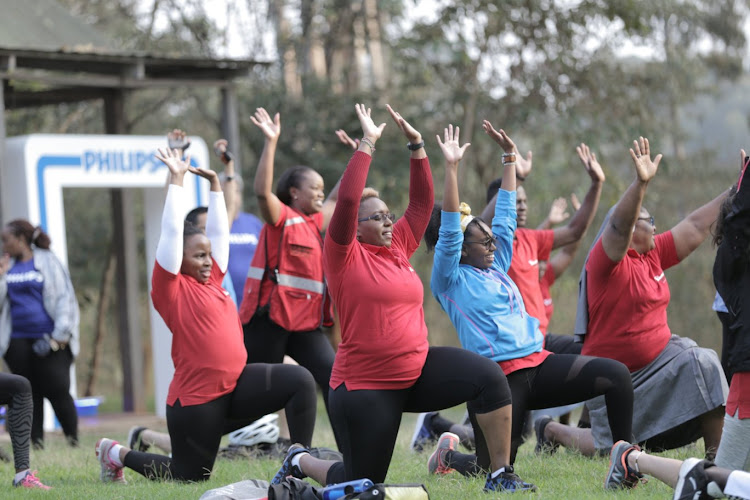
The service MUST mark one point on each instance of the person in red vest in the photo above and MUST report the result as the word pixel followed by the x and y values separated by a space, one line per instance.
pixel 285 300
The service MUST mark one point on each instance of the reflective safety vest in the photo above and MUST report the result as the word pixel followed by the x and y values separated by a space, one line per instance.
pixel 293 292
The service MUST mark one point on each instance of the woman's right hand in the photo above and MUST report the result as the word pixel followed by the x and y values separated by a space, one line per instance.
pixel 271 128
pixel 370 131
pixel 645 167
pixel 451 150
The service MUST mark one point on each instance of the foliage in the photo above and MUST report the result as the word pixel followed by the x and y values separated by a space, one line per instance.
pixel 552 73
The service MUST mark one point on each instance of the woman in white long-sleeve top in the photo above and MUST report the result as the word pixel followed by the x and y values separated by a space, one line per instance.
pixel 213 391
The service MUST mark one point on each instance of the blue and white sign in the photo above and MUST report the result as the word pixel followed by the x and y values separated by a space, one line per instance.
pixel 38 167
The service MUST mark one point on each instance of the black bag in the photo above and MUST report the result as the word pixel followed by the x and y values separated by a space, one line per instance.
pixel 292 488
pixel 380 491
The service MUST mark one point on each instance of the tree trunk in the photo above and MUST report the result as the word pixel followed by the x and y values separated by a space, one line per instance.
pixel 101 315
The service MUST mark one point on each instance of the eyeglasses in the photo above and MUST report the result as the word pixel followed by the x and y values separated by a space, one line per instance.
pixel 379 217
pixel 649 219
pixel 487 243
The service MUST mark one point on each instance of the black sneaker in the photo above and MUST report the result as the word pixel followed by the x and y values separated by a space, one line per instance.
pixel 134 439
pixel 543 444
pixel 507 481
pixel 287 469
pixel 692 482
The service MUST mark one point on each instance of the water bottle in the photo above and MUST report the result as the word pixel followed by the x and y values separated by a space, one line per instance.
pixel 336 491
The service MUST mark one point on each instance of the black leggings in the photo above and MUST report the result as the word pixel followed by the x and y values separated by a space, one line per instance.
pixel 15 391
pixel 560 380
pixel 267 342
pixel 195 431
pixel 50 378
pixel 367 421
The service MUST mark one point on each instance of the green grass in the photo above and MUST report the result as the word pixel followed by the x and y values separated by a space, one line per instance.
pixel 74 473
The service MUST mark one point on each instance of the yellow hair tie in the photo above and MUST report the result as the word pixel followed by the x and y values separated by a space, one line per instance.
pixel 465 210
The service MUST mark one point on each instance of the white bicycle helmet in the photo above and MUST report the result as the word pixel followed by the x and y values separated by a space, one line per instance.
pixel 263 430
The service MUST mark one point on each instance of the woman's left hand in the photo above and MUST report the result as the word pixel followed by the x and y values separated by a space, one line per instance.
pixel 410 132
pixel 172 159
pixel 451 150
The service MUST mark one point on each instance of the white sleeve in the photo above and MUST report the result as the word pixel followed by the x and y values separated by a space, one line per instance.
pixel 217 229
pixel 738 485
pixel 169 248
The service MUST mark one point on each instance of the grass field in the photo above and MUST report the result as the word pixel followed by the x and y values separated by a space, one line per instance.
pixel 74 473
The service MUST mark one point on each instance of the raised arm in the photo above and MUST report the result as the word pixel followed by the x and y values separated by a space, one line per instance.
pixel 510 152
pixel 217 222
pixel 580 222
pixel 560 261
pixel 231 192
pixel 169 248
pixel 453 153
pixel 619 231
pixel 343 226
pixel 690 232
pixel 557 214
pixel 269 204
pixel 421 193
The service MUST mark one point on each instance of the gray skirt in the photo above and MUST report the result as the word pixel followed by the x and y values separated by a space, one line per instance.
pixel 683 382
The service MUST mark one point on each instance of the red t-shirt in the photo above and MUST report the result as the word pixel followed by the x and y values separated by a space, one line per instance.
pixel 628 303
pixel 378 294
pixel 530 361
pixel 739 395
pixel 208 350
pixel 529 247
pixel 544 285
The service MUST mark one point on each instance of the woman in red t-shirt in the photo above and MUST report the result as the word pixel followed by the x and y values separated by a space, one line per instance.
pixel 679 388
pixel 384 365
pixel 285 300
pixel 213 391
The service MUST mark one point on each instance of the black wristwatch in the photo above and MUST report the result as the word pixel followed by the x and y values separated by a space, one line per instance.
pixel 414 147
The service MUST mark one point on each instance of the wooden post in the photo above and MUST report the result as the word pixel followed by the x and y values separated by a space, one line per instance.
pixel 128 270
pixel 230 125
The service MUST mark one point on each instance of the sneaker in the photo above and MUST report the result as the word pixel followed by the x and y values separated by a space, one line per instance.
pixel 287 469
pixel 507 481
pixel 111 472
pixel 436 463
pixel 692 482
pixel 543 444
pixel 30 481
pixel 423 433
pixel 620 475
pixel 134 439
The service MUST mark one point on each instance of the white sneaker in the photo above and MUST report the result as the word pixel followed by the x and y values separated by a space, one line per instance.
pixel 111 472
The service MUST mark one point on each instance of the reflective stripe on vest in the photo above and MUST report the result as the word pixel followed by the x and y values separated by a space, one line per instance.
pixel 294 220
pixel 288 280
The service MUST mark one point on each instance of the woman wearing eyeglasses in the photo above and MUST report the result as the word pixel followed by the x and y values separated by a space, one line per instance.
pixel 384 365
pixel 679 388
pixel 470 281
pixel 285 300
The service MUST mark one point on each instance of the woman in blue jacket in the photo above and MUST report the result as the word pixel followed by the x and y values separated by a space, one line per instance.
pixel 470 281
